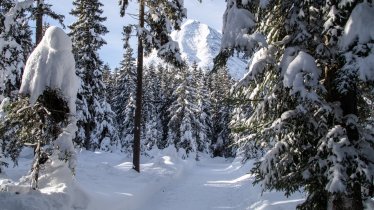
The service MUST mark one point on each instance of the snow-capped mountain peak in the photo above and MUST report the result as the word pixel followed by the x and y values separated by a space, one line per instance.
pixel 200 43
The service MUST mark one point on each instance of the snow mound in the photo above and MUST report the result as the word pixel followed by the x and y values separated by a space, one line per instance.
pixel 57 190
pixel 360 26
pixel 51 65
pixel 200 44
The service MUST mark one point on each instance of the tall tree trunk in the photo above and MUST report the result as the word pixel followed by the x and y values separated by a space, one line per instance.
pixel 139 90
pixel 39 23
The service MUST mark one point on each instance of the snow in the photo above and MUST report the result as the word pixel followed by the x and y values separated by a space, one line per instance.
pixel 237 24
pixel 64 143
pixel 10 15
pixel 300 73
pixel 359 35
pixel 51 65
pixel 359 27
pixel 57 188
pixel 200 44
pixel 106 181
pixel 258 63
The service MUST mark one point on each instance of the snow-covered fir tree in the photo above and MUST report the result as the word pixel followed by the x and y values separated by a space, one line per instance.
pixel 95 117
pixel 203 126
pixel 152 108
pixel 159 22
pixel 123 102
pixel 221 110
pixel 183 115
pixel 45 115
pixel 15 45
pixel 38 11
pixel 301 117
pixel 126 131
pixel 109 79
pixel 168 85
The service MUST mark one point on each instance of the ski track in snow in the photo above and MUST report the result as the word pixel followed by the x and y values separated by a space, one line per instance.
pixel 169 183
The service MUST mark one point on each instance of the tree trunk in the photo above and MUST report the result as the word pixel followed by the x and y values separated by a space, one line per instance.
pixel 36 166
pixel 139 89
pixel 39 23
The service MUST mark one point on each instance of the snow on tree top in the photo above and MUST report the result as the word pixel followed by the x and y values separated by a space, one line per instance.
pixel 51 65
pixel 360 26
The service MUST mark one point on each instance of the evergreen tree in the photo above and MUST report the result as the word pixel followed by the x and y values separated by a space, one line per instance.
pixel 94 113
pixel 203 126
pixel 221 110
pixel 160 21
pixel 44 116
pixel 168 85
pixel 109 80
pixel 126 131
pixel 152 108
pixel 15 46
pixel 124 97
pixel 38 11
pixel 308 121
pixel 183 116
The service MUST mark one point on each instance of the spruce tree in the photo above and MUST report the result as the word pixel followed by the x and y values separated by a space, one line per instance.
pixel 124 97
pixel 38 11
pixel 203 126
pixel 221 111
pixel 154 28
pixel 168 85
pixel 126 131
pixel 15 46
pixel 308 122
pixel 183 116
pixel 152 108
pixel 94 113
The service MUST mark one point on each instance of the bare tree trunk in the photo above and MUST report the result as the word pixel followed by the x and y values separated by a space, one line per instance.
pixel 39 23
pixel 139 90
pixel 36 166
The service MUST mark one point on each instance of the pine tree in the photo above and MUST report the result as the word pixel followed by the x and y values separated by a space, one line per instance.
pixel 95 116
pixel 15 47
pixel 203 126
pixel 238 32
pixel 44 116
pixel 123 99
pixel 109 80
pixel 183 116
pixel 38 11
pixel 306 121
pixel 168 85
pixel 160 21
pixel 152 108
pixel 221 110
pixel 126 131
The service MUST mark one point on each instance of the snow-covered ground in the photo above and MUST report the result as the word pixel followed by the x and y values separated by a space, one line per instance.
pixel 165 182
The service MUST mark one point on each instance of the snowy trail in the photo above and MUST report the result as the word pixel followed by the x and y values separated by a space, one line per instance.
pixel 166 182
pixel 216 184
pixel 207 186
pixel 169 183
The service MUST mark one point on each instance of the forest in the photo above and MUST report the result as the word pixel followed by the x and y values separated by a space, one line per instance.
pixel 275 111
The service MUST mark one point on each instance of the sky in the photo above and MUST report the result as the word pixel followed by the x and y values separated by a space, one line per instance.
pixel 209 12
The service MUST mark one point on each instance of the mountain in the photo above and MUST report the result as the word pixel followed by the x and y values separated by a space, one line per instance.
pixel 200 43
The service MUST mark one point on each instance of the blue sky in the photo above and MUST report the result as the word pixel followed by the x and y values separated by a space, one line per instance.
pixel 209 12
